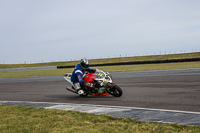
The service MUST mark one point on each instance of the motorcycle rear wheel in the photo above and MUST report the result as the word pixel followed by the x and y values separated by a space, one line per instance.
pixel 116 91
pixel 84 95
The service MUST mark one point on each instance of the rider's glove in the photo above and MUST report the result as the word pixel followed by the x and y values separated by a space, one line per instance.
pixel 84 83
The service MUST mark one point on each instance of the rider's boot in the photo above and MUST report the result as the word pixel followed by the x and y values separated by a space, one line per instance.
pixel 77 87
pixel 84 88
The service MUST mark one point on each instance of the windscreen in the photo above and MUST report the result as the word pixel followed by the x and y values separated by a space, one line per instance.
pixel 100 75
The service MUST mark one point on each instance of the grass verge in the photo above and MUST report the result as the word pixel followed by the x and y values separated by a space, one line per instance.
pixel 108 60
pixel 17 119
pixel 121 68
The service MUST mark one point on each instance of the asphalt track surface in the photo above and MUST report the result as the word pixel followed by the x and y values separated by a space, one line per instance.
pixel 164 89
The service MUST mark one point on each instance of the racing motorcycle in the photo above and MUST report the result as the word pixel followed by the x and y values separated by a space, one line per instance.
pixel 98 84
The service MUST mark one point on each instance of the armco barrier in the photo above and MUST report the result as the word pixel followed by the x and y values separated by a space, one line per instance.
pixel 139 62
pixel 106 64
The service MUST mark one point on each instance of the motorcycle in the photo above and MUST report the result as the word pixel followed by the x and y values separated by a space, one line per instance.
pixel 98 84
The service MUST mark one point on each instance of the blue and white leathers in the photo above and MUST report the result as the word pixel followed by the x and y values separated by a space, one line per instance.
pixel 77 74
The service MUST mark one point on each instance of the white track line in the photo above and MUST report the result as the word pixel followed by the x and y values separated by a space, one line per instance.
pixel 107 106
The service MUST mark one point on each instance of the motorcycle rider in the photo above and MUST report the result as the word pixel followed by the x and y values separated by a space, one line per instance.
pixel 76 78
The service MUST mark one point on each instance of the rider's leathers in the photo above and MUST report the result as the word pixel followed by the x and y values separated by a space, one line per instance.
pixel 77 75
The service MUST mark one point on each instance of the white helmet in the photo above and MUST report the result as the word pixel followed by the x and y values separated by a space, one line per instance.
pixel 84 63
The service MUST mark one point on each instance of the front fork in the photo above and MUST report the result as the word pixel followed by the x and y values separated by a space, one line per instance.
pixel 109 87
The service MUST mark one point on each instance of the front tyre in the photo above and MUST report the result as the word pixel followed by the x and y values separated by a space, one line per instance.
pixel 116 91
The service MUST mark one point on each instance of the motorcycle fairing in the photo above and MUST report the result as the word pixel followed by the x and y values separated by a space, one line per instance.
pixel 67 77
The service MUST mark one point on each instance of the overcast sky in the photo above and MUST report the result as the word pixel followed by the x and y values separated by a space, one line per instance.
pixel 53 30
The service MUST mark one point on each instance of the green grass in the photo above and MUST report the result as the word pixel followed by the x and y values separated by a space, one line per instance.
pixel 18 119
pixel 121 68
pixel 107 60
pixel 106 68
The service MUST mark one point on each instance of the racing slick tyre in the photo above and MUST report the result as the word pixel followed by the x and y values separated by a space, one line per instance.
pixel 116 91
pixel 84 95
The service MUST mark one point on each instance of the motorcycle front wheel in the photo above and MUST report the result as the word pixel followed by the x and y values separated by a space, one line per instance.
pixel 116 91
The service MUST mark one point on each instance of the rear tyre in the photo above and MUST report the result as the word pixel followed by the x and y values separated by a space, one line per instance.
pixel 84 95
pixel 116 91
